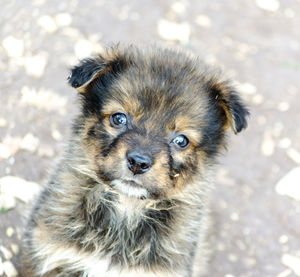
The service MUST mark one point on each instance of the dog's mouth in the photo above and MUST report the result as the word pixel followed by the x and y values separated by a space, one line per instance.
pixel 130 188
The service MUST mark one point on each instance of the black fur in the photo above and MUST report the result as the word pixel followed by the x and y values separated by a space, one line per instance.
pixel 231 100
pixel 239 111
pixel 83 72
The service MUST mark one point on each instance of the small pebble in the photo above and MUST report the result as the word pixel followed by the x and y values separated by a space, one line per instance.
pixel 14 248
pixel 19 188
pixel 35 65
pixel 203 20
pixel 234 217
pixel 7 254
pixel 257 99
pixel 13 143
pixel 7 201
pixel 294 155
pixel 178 7
pixel 247 88
pixel 63 19
pixel 30 143
pixel 14 47
pixel 289 184
pixel 284 143
pixel 232 258
pixel 285 273
pixel 283 239
pixel 174 31
pixel 10 232
pixel 83 48
pixel 3 122
pixel 268 5
pixel 4 151
pixel 9 269
pixel 47 23
pixel 291 262
pixel 56 135
pixel 268 144
pixel 283 106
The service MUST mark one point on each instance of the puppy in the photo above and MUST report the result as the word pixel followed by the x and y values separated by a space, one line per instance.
pixel 130 197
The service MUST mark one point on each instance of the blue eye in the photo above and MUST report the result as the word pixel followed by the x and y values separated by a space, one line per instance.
pixel 181 141
pixel 118 120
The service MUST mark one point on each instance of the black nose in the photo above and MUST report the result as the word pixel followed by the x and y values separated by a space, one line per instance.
pixel 138 163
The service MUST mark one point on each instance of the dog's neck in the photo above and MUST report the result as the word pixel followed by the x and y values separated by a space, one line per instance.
pixel 131 207
pixel 125 226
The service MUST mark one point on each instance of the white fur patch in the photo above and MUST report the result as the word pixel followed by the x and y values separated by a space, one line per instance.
pixel 91 265
pixel 129 190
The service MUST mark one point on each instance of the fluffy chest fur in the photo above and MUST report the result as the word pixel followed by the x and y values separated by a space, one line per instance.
pixel 110 234
pixel 133 233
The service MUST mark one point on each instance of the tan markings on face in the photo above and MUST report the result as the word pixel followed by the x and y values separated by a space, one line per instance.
pixel 124 88
pixel 130 107
pixel 181 155
pixel 108 109
pixel 107 126
pixel 116 160
pixel 159 172
pixel 111 107
pixel 183 179
pixel 92 145
pixel 187 126
pixel 89 144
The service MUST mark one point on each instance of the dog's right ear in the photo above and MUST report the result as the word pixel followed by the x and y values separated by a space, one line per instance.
pixel 84 73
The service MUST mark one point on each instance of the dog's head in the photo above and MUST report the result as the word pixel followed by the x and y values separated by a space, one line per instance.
pixel 152 119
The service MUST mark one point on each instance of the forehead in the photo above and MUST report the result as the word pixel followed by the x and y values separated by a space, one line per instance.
pixel 161 89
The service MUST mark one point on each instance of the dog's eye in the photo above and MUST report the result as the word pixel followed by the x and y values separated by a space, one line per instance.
pixel 118 120
pixel 181 141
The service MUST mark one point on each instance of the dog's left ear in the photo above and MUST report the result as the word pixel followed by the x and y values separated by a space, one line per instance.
pixel 84 73
pixel 234 109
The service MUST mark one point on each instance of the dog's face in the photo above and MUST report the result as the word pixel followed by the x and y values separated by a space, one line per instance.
pixel 152 120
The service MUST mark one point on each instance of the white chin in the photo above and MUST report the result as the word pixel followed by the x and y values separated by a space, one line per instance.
pixel 130 190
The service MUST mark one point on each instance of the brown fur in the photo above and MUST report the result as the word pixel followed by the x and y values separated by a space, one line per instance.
pixel 97 217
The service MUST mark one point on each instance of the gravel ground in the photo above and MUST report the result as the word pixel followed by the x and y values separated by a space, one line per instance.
pixel 257 43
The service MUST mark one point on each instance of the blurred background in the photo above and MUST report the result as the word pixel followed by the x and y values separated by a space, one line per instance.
pixel 256 43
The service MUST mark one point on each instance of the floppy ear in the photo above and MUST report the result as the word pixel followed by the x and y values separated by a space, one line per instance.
pixel 84 73
pixel 234 109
